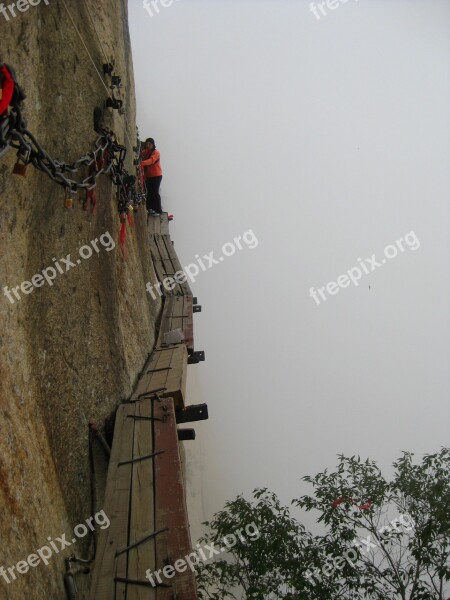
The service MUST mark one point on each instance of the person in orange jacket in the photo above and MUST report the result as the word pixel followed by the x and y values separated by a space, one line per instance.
pixel 153 176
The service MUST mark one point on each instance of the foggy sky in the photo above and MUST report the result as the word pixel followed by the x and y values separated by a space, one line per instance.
pixel 329 139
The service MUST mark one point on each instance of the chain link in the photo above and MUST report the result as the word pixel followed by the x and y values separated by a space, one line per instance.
pixel 108 158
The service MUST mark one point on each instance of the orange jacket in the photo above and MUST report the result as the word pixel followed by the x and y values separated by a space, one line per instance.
pixel 152 165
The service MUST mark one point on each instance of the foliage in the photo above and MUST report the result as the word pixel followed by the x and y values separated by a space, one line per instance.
pixel 383 541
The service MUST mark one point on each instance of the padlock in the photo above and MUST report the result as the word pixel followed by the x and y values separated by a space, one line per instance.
pixel 68 202
pixel 108 68
pixel 23 158
pixel 116 81
pixel 20 168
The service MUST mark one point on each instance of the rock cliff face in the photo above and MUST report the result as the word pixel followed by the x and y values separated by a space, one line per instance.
pixel 70 351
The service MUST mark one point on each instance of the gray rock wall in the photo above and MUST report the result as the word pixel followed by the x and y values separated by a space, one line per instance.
pixel 70 352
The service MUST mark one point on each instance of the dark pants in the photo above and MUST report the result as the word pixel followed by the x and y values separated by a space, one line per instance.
pixel 153 197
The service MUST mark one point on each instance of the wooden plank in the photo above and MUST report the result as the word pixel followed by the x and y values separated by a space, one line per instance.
pixel 186 290
pixel 171 507
pixel 151 381
pixel 146 381
pixel 153 225
pixel 116 507
pixel 170 267
pixel 164 256
pixel 164 224
pixel 177 314
pixel 171 373
pixel 182 318
pixel 166 264
pixel 166 318
pixel 142 520
pixel 188 321
pixel 177 376
pixel 129 497
pixel 159 241
pixel 176 321
pixel 159 224
pixel 157 262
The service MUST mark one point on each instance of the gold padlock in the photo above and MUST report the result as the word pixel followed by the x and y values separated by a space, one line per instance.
pixel 20 168
pixel 68 202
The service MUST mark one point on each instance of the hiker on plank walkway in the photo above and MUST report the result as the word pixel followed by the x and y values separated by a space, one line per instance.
pixel 153 176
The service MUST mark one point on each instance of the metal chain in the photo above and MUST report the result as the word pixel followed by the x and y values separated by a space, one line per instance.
pixel 108 154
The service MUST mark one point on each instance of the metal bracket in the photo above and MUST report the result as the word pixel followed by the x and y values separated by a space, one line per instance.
pixel 114 103
pixel 139 542
pixel 154 392
pixel 140 582
pixel 196 357
pixel 169 347
pixel 138 418
pixel 139 458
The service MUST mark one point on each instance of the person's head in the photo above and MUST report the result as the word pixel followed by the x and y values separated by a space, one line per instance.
pixel 150 144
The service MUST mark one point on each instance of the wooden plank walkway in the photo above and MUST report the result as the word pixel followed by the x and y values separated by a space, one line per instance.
pixel 145 496
pixel 175 544
pixel 167 264
pixel 146 503
pixel 165 373
pixel 122 557
pixel 158 224
pixel 177 313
